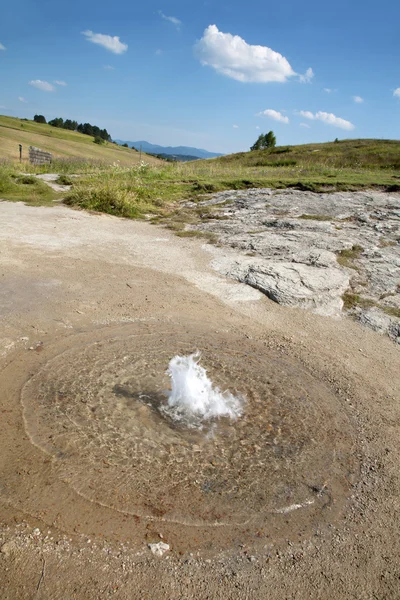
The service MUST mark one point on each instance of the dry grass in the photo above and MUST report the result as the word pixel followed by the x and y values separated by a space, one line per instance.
pixel 346 257
pixel 61 143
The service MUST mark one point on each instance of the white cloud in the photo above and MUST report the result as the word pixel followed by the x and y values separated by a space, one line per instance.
pixel 305 125
pixel 236 127
pixel 2 47
pixel 328 118
pixel 397 92
pixel 233 57
pixel 358 99
pixel 307 77
pixel 158 52
pixel 108 68
pixel 328 90
pixel 274 114
pixel 59 82
pixel 172 20
pixel 257 127
pixel 21 99
pixel 113 44
pixel 1 107
pixel 45 86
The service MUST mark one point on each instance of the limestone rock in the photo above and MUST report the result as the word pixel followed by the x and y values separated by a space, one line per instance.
pixel 159 549
pixel 295 284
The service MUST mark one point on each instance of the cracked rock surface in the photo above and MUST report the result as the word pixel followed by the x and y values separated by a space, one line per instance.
pixel 331 253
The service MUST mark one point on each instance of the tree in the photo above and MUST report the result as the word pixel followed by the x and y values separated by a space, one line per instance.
pixel 71 125
pixel 270 140
pixel 58 122
pixel 87 128
pixel 105 135
pixel 39 119
pixel 267 140
pixel 258 143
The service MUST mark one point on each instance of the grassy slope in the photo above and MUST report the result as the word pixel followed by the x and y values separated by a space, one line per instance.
pixel 364 154
pixel 348 164
pixel 61 143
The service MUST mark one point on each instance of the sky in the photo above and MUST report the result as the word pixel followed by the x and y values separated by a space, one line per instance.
pixel 213 74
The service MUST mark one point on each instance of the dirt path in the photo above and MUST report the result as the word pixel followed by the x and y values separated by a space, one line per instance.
pixel 91 303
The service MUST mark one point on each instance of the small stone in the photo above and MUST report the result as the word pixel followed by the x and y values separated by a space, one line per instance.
pixel 159 549
pixel 8 549
pixel 36 531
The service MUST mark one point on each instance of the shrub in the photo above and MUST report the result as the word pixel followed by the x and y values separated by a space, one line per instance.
pixel 98 140
pixel 106 198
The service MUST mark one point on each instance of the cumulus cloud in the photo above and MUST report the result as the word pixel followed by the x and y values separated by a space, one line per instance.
pixel 232 56
pixel 113 44
pixel 328 118
pixel 45 86
pixel 172 20
pixel 2 47
pixel 307 77
pixel 274 114
pixel 59 82
pixel 305 125
pixel 397 93
pixel 21 99
pixel 358 99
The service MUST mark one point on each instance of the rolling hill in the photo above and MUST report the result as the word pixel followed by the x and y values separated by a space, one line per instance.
pixel 350 154
pixel 62 143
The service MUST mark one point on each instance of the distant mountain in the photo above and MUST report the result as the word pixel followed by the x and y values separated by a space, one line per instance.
pixel 170 150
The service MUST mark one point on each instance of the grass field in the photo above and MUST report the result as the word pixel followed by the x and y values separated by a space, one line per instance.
pixel 113 180
pixel 61 143
pixel 343 154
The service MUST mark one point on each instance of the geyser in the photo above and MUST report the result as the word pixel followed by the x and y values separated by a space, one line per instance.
pixel 193 397
pixel 212 470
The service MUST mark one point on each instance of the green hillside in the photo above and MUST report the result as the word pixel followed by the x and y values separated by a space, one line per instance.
pixel 348 154
pixel 62 143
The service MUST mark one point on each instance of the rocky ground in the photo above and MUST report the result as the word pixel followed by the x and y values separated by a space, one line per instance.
pixel 314 250
pixel 70 280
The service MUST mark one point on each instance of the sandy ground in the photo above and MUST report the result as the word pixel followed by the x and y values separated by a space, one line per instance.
pixel 69 279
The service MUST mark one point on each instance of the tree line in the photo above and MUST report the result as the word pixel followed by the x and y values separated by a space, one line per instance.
pixel 85 128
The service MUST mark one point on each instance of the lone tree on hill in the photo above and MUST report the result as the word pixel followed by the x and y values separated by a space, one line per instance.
pixel 267 140
pixel 39 119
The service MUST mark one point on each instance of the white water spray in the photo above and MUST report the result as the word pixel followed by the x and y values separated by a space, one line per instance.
pixel 193 396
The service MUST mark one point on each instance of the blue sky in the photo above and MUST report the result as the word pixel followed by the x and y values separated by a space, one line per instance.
pixel 211 74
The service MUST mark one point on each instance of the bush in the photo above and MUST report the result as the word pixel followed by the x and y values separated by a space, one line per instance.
pixel 98 140
pixel 64 180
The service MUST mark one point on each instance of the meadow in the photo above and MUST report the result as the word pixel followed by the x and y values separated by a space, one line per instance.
pixel 138 186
